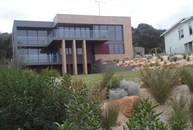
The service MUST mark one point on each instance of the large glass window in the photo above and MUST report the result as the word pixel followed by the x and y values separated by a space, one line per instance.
pixel 116 48
pixel 68 51
pixel 181 33
pixel 22 33
pixel 22 36
pixel 118 33
pixel 32 37
pixel 37 55
pixel 103 27
pixel 111 31
pixel 79 51
pixel 43 56
pixel 42 37
pixel 111 49
pixel 72 33
pixel 103 31
pixel 121 51
pixel 77 32
pixel 23 54
pixel 96 33
pixel 87 33
pixel 83 33
pixel 190 28
pixel 33 55
pixel 66 32
pixel 60 32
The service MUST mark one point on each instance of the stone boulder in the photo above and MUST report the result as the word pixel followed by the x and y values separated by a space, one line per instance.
pixel 126 104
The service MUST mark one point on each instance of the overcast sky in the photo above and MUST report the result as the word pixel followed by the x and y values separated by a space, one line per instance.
pixel 161 14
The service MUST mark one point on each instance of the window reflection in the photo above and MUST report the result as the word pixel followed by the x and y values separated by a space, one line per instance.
pixel 38 55
pixel 116 48
pixel 32 36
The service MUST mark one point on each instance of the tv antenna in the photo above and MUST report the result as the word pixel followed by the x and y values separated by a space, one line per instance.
pixel 99 5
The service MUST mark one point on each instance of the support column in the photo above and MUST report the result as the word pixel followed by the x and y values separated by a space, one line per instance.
pixel 63 46
pixel 74 58
pixel 84 57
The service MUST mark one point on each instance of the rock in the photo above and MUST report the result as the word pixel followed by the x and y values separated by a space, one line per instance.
pixel 179 57
pixel 126 104
pixel 165 58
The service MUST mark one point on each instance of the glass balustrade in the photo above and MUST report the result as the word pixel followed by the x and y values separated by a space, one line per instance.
pixel 40 58
pixel 91 34
pixel 61 33
pixel 32 40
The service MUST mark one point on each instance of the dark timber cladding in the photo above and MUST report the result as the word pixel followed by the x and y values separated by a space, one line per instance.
pixel 71 43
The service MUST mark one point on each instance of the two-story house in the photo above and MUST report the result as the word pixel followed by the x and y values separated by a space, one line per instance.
pixel 71 43
pixel 179 38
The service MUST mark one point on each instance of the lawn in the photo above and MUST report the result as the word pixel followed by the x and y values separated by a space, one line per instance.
pixel 94 79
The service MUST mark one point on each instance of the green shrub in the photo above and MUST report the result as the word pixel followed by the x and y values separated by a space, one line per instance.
pixel 160 82
pixel 81 111
pixel 97 95
pixel 114 83
pixel 30 101
pixel 179 119
pixel 145 117
pixel 65 126
pixel 109 116
pixel 50 72
pixel 173 58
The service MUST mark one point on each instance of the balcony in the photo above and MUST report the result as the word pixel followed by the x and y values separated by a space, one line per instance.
pixel 32 41
pixel 58 34
pixel 37 59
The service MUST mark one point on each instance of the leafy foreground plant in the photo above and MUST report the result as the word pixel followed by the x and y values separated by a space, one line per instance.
pixel 160 82
pixel 65 126
pixel 81 111
pixel 30 100
pixel 180 118
pixel 145 117
pixel 109 115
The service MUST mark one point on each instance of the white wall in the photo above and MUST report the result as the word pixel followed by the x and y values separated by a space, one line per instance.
pixel 172 42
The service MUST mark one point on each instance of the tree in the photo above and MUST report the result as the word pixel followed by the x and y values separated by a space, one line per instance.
pixel 148 37
pixel 5 48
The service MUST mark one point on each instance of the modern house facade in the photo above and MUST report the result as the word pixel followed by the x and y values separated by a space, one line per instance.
pixel 71 43
pixel 179 38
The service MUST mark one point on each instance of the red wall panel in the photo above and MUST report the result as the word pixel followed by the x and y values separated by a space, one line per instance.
pixel 102 48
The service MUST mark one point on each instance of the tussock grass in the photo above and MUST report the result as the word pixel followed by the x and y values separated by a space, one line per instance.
pixel 187 77
pixel 191 109
pixel 180 119
pixel 109 116
pixel 160 82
